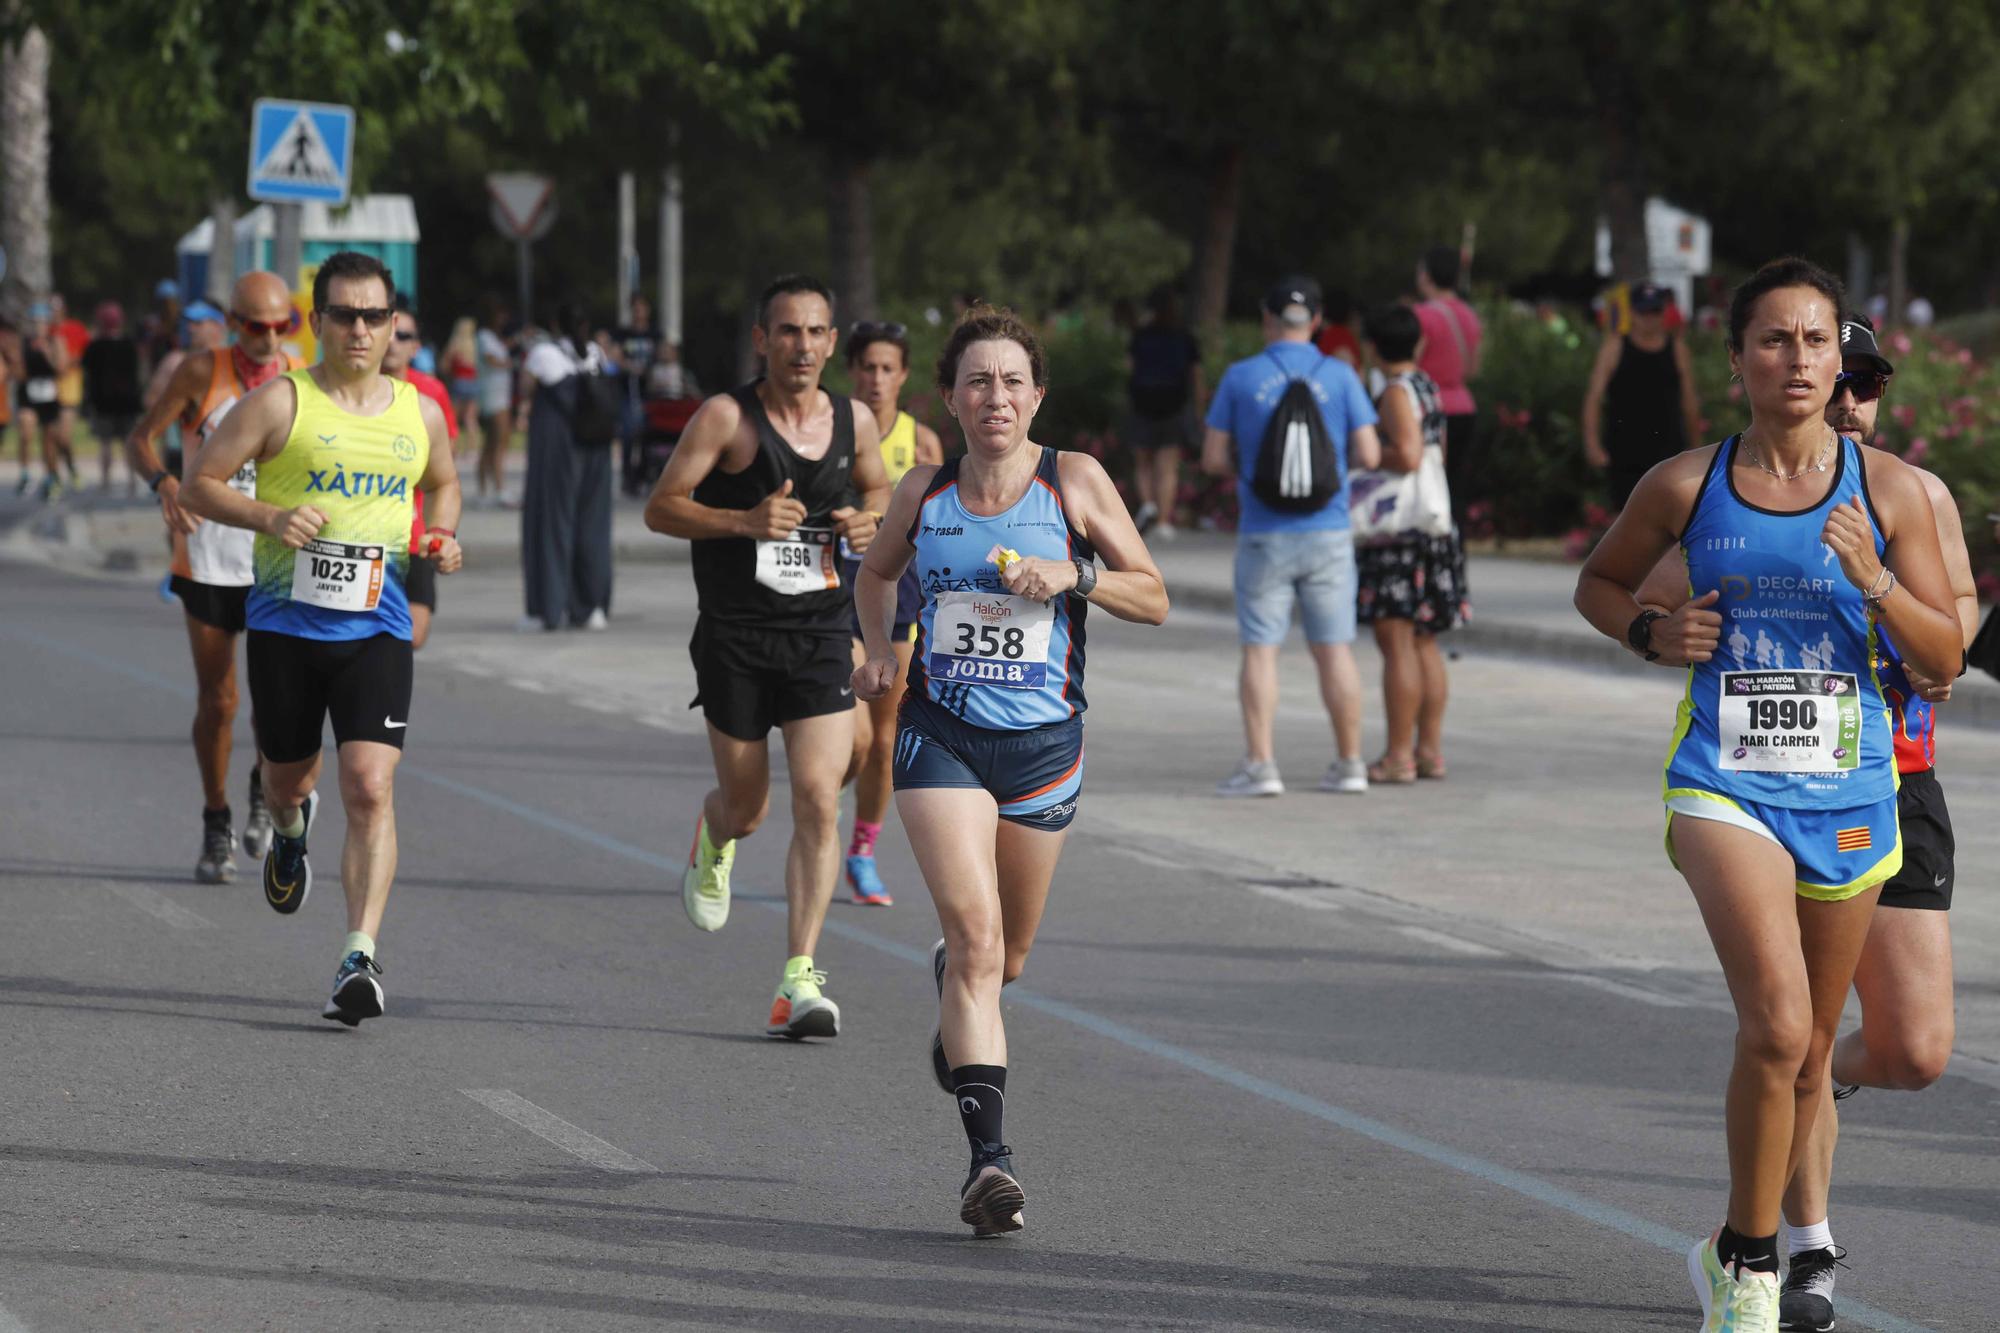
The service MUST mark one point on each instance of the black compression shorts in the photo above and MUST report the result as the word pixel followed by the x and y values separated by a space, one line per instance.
pixel 750 679
pixel 296 684
pixel 1925 881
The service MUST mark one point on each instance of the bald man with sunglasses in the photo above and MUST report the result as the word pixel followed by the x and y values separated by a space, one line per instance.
pixel 211 562
pixel 1904 978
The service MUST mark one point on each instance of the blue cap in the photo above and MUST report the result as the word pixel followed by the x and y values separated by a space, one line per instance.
pixel 167 290
pixel 201 311
pixel 40 310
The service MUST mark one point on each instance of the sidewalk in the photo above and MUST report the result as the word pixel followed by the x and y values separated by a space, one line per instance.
pixel 1521 606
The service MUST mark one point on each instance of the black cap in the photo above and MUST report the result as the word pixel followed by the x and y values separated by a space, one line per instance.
pixel 1857 343
pixel 1296 290
pixel 1649 298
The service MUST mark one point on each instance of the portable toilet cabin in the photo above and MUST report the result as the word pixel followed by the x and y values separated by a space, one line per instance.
pixel 382 225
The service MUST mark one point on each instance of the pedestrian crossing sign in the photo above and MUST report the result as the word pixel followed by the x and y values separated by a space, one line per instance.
pixel 300 152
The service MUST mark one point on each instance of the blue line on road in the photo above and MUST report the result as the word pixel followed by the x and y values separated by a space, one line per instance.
pixel 1531 1187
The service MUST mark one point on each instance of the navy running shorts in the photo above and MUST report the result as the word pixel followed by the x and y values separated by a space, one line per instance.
pixel 1036 776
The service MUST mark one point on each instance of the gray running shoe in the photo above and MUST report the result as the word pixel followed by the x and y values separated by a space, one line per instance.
pixel 257 826
pixel 1806 1301
pixel 1252 780
pixel 218 848
pixel 1347 776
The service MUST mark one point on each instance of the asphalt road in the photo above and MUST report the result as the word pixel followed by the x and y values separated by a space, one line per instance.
pixel 1446 1057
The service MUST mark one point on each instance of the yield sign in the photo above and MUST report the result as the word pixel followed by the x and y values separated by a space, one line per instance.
pixel 524 206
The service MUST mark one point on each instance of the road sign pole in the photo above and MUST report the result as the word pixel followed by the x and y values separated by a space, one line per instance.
pixel 628 246
pixel 670 254
pixel 524 259
pixel 287 242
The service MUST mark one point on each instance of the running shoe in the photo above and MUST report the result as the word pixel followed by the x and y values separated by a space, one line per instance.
pixel 867 886
pixel 257 827
pixel 1346 776
pixel 992 1199
pixel 940 1066
pixel 798 1010
pixel 1806 1302
pixel 218 848
pixel 596 621
pixel 1252 780
pixel 1842 1091
pixel 356 993
pixel 1743 1301
pixel 288 876
pixel 705 886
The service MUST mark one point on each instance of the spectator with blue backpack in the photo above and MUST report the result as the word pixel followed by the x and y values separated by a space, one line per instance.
pixel 1288 424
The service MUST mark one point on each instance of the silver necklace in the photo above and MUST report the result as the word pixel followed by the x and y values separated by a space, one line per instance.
pixel 1817 465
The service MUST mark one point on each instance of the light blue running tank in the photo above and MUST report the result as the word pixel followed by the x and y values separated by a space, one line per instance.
pixel 995 660
pixel 1789 711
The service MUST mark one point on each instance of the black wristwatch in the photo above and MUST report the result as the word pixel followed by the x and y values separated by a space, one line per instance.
pixel 153 482
pixel 1086 577
pixel 1640 633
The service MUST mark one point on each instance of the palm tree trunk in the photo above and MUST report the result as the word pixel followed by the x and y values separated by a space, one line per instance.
pixel 851 237
pixel 1217 251
pixel 24 172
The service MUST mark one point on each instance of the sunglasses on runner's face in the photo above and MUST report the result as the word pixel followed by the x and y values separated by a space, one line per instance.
pixel 1865 385
pixel 868 330
pixel 375 317
pixel 403 336
pixel 254 327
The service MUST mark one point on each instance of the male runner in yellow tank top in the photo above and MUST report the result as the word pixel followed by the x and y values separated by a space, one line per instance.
pixel 878 357
pixel 340 450
pixel 211 564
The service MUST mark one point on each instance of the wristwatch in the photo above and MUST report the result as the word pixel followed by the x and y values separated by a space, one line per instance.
pixel 153 482
pixel 1640 633
pixel 1086 577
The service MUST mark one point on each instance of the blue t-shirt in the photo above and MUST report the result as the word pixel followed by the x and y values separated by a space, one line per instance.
pixel 1244 401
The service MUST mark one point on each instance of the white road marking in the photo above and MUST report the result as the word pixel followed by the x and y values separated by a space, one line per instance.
pixel 579 1142
pixel 1638 993
pixel 1145 857
pixel 9 1324
pixel 157 904
pixel 1451 942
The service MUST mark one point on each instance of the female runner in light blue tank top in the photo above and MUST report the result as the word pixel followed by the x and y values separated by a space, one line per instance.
pixel 1780 778
pixel 989 751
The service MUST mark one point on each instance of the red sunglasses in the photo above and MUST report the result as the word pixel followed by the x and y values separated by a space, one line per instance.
pixel 257 326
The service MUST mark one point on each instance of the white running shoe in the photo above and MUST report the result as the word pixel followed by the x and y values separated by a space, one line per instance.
pixel 705 885
pixel 597 621
pixel 1744 1301
pixel 1348 776
pixel 1252 780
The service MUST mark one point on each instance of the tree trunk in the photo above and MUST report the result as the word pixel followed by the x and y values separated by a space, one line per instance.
pixel 1899 273
pixel 1622 168
pixel 221 249
pixel 851 237
pixel 24 172
pixel 1860 270
pixel 1216 251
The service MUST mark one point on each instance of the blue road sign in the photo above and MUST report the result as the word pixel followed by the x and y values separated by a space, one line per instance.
pixel 300 152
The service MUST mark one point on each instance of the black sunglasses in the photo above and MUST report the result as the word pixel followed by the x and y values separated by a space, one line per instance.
pixel 1865 385
pixel 403 337
pixel 869 330
pixel 375 317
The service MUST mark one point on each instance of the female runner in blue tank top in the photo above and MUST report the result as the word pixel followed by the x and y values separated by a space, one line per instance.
pixel 989 750
pixel 1780 780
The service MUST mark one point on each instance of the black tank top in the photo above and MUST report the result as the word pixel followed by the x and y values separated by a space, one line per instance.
pixel 1642 408
pixel 793 584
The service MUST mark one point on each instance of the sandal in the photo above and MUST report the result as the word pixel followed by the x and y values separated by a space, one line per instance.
pixel 1429 768
pixel 1382 771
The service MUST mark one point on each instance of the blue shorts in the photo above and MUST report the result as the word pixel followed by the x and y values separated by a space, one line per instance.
pixel 1314 569
pixel 1036 776
pixel 1836 854
pixel 909 601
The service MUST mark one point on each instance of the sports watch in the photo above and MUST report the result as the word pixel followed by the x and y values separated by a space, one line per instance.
pixel 1086 577
pixel 1640 633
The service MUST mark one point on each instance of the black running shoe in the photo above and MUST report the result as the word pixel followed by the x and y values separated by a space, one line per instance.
pixel 288 876
pixel 257 825
pixel 940 1067
pixel 1806 1301
pixel 218 848
pixel 992 1199
pixel 356 993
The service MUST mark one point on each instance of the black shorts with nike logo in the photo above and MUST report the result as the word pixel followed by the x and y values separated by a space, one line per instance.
pixel 297 683
pixel 1925 881
pixel 750 679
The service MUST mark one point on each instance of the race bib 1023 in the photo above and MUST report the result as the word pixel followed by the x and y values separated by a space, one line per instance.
pixel 338 576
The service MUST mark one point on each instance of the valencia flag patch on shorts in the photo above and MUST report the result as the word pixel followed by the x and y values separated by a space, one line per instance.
pixel 1853 839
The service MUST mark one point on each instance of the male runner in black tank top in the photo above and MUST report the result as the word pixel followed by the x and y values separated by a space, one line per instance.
pixel 768 483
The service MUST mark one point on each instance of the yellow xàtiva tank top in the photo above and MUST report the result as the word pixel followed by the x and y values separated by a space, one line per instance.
pixel 899 447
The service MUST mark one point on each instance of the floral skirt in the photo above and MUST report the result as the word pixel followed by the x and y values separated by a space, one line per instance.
pixel 1421 579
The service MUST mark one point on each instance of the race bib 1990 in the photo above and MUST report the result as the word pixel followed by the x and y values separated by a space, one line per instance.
pixel 338 576
pixel 991 638
pixel 799 563
pixel 1789 722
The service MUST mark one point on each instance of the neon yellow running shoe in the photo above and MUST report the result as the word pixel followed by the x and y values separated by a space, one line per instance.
pixel 1743 1301
pixel 705 886
pixel 798 1010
